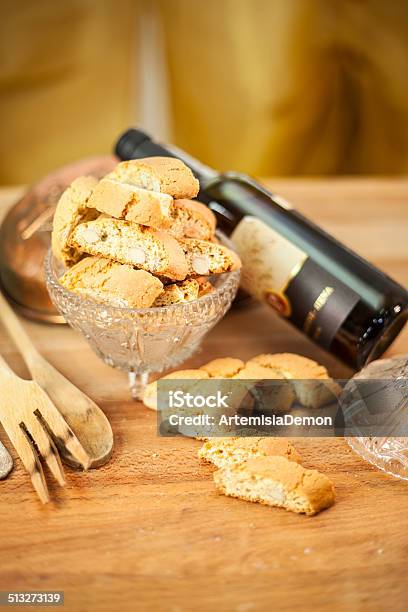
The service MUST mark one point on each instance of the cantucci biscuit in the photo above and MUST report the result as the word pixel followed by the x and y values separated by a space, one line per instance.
pixel 271 398
pixel 311 382
pixel 71 210
pixel 150 393
pixel 253 371
pixel 136 245
pixel 160 174
pixel 204 286
pixel 124 201
pixel 190 219
pixel 223 367
pixel 112 283
pixel 277 481
pixel 205 258
pixel 223 452
pixel 177 293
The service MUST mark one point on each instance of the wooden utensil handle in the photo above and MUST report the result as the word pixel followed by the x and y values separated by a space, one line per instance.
pixel 5 371
pixel 17 332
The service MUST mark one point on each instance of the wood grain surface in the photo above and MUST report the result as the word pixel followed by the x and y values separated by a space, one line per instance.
pixel 148 531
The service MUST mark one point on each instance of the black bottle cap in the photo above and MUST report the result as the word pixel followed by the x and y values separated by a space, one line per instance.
pixel 129 142
pixel 134 144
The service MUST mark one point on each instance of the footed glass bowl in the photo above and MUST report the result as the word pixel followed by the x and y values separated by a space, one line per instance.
pixel 145 340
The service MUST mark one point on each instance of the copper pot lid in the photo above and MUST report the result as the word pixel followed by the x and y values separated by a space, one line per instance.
pixel 25 239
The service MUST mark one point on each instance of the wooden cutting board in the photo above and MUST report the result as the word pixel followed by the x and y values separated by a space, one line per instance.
pixel 149 532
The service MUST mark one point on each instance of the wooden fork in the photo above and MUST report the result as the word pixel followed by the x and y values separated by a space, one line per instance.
pixel 32 422
pixel 83 416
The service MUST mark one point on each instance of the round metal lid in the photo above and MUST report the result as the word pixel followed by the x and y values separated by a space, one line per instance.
pixel 25 239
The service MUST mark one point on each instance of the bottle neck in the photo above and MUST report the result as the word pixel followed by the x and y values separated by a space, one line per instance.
pixel 135 144
pixel 225 194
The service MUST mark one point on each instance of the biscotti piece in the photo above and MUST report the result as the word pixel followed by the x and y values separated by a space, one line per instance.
pixel 204 286
pixel 271 398
pixel 124 201
pixel 223 367
pixel 150 393
pixel 205 258
pixel 276 481
pixel 312 384
pixel 191 219
pixel 112 283
pixel 71 211
pixel 143 247
pixel 253 371
pixel 160 174
pixel 224 452
pixel 178 293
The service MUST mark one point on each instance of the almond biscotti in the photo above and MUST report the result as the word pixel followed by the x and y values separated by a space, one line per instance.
pixel 204 286
pixel 160 174
pixel 205 258
pixel 312 384
pixel 232 451
pixel 223 367
pixel 72 210
pixel 271 398
pixel 178 293
pixel 191 219
pixel 136 245
pixel 112 283
pixel 124 201
pixel 277 481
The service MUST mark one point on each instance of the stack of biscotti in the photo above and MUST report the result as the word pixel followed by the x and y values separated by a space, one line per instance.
pixel 136 238
pixel 310 383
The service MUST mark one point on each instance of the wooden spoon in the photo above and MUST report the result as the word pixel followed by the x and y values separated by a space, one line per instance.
pixel 85 418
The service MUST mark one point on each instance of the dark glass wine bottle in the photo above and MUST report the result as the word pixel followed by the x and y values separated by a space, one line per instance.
pixel 337 298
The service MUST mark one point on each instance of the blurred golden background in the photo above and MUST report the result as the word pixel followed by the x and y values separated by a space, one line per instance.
pixel 269 87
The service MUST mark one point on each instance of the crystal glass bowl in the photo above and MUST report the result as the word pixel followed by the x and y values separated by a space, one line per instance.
pixel 387 454
pixel 145 340
pixel 375 408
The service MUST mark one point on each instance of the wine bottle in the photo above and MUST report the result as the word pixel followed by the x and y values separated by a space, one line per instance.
pixel 338 299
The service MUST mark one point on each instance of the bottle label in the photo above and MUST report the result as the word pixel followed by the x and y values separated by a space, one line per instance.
pixel 277 272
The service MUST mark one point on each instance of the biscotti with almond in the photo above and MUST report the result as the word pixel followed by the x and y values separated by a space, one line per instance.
pixel 223 367
pixel 271 398
pixel 112 283
pixel 136 245
pixel 192 219
pixel 205 258
pixel 124 201
pixel 231 451
pixel 277 481
pixel 71 210
pixel 311 382
pixel 160 174
pixel 204 286
pixel 178 293
pixel 185 291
